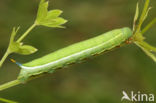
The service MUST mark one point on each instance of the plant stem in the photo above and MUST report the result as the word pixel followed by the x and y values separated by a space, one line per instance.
pixel 7 101
pixel 26 33
pixel 149 26
pixel 9 84
pixel 151 55
pixel 19 40
pixel 143 15
pixel 147 46
pixel 4 58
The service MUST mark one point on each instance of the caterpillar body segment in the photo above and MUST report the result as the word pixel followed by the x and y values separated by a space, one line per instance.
pixel 75 52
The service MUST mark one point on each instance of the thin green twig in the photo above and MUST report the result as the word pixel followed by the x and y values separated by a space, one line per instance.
pixel 7 101
pixel 137 33
pixel 149 26
pixel 9 84
pixel 26 33
pixel 151 55
pixel 4 58
pixel 143 15
pixel 147 46
pixel 19 40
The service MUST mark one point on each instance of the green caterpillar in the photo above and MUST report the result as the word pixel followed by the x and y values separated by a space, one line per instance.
pixel 73 53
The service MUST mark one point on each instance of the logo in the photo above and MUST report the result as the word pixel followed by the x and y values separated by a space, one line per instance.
pixel 140 97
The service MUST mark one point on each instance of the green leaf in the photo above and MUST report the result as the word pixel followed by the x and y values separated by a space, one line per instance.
pixel 54 22
pixel 147 52
pixel 42 11
pixel 136 16
pixel 19 48
pixel 49 18
pixel 149 25
pixel 146 13
pixel 13 34
pixel 26 50
pixel 53 14
pixel 14 46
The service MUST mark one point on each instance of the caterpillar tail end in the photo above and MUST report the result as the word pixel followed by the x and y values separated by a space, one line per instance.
pixel 14 61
